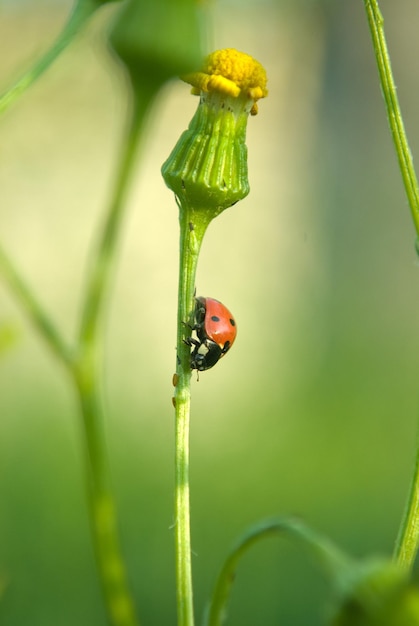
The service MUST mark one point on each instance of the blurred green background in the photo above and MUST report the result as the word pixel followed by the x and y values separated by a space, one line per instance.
pixel 314 411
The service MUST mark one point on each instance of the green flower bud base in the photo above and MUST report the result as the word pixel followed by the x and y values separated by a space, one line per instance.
pixel 207 169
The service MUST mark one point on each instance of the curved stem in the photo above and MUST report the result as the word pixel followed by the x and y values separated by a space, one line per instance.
pixel 80 14
pixel 335 561
pixel 408 539
pixel 192 231
pixel 407 542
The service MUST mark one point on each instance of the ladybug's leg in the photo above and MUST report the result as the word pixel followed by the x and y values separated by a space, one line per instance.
pixel 196 326
pixel 192 327
pixel 199 313
pixel 190 341
pixel 187 325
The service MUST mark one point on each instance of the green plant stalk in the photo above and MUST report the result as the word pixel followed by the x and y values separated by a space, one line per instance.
pixel 408 538
pixel 207 171
pixel 85 366
pixel 97 290
pixel 102 511
pixel 376 24
pixel 85 362
pixel 88 378
pixel 79 16
pixel 192 229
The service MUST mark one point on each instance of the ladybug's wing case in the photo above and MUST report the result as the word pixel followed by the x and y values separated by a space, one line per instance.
pixel 216 331
pixel 220 325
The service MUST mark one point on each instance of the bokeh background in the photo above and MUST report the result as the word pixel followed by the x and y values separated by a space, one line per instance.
pixel 313 413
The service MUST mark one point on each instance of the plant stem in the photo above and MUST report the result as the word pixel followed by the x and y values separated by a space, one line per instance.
pixel 85 362
pixel 102 266
pixel 408 538
pixel 395 119
pixel 192 231
pixel 103 519
pixel 33 309
pixel 87 373
pixel 85 365
pixel 81 13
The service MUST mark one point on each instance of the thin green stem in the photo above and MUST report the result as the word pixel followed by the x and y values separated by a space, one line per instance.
pixel 408 539
pixel 191 234
pixel 376 23
pixel 82 11
pixel 33 309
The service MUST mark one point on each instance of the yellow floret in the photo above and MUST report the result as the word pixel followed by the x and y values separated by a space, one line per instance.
pixel 230 72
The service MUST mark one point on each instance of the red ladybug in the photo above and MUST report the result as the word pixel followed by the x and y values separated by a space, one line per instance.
pixel 216 331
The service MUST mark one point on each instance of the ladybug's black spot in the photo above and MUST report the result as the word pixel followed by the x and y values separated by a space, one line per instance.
pixel 226 347
pixel 215 318
pixel 232 322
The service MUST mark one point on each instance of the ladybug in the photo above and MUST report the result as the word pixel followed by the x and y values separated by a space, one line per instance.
pixel 216 331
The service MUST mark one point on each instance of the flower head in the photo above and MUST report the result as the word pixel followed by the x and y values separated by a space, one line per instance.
pixel 231 73
pixel 208 166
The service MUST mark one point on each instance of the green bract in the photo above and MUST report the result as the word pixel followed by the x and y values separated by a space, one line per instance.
pixel 208 166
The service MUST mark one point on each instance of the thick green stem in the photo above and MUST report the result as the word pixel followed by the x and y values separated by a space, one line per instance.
pixel 88 376
pixel 192 231
pixel 79 16
pixel 85 362
pixel 103 519
pixel 408 539
pixel 85 365
pixel 103 263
